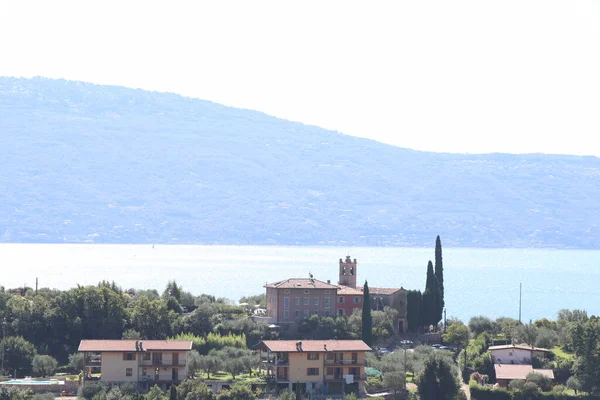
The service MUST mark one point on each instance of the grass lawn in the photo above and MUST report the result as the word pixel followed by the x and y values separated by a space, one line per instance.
pixel 558 352
pixel 225 376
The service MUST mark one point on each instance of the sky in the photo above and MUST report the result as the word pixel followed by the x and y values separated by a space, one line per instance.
pixel 460 76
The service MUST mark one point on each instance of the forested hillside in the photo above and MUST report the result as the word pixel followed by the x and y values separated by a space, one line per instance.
pixel 88 163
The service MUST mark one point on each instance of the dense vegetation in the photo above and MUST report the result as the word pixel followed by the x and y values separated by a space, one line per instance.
pixel 88 163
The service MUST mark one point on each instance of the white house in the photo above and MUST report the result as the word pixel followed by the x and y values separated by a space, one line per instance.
pixel 514 353
pixel 145 363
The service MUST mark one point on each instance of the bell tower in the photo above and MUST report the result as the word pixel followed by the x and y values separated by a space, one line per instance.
pixel 348 272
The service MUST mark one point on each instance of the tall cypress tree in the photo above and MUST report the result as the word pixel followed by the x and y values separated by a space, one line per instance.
pixel 432 298
pixel 439 268
pixel 367 322
pixel 413 310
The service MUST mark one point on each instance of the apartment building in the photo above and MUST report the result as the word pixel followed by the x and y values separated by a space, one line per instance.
pixel 145 363
pixel 296 298
pixel 321 367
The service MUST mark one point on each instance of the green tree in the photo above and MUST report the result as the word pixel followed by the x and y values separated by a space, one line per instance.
pixel 482 324
pixel 151 318
pixel 14 393
pixel 439 271
pixel 298 391
pixel 574 384
pixel 414 299
pixel 438 380
pixel 18 354
pixel 194 363
pixel 367 323
pixel 44 365
pixel 432 298
pixel 156 393
pixel 585 338
pixel 395 381
pixel 456 333
pixel 172 393
pixel 193 389
pixel 76 362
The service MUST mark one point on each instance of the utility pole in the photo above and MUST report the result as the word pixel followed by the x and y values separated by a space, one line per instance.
pixel 520 302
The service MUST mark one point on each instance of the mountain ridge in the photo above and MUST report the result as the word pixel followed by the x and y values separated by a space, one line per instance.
pixel 106 164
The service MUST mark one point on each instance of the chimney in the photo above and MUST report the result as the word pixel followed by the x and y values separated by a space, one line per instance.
pixel 137 345
pixel 141 348
pixel 329 281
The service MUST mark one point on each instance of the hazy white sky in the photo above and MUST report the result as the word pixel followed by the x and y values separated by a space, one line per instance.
pixel 457 76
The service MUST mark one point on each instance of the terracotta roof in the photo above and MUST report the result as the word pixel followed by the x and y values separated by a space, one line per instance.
pixel 290 346
pixel 516 371
pixel 517 346
pixel 384 291
pixel 301 283
pixel 129 345
pixel 347 290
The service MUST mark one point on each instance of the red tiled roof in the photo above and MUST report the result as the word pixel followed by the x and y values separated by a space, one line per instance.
pixel 289 346
pixel 347 290
pixel 301 283
pixel 129 345
pixel 516 371
pixel 384 291
pixel 517 346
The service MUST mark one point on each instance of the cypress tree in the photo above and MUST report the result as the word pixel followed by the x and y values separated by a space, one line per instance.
pixel 432 303
pixel 439 268
pixel 367 323
pixel 413 310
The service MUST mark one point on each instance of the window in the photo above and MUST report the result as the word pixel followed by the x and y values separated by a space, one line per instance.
pixel 306 301
pixel 305 313
pixel 286 314
pixel 297 314
pixel 146 356
pixel 312 371
pixel 286 291
pixel 128 372
pixel 341 299
pixel 313 356
pixel 128 356
pixel 327 302
pixel 341 311
pixel 286 302
pixel 297 300
pixel 144 372
pixel 326 313
pixel 327 291
pixel 316 301
pixel 306 291
pixel 315 312
pixel 356 299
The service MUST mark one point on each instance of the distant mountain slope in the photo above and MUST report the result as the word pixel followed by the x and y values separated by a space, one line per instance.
pixel 82 162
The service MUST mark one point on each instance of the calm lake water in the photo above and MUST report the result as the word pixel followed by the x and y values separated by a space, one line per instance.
pixel 477 281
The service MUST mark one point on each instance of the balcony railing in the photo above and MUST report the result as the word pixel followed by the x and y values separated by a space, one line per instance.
pixel 344 362
pixel 93 362
pixel 150 378
pixel 282 362
pixel 163 363
pixel 359 377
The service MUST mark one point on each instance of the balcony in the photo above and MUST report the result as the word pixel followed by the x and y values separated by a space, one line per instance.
pixel 163 363
pixel 96 362
pixel 157 379
pixel 344 362
pixel 340 377
pixel 280 361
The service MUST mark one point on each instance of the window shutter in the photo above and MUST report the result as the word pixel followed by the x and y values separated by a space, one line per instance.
pixel 134 356
pixel 124 356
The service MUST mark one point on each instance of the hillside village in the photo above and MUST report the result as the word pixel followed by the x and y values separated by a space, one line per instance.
pixel 314 338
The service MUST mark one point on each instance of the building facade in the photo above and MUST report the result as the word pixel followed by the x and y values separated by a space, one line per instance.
pixel 321 367
pixel 390 297
pixel 514 353
pixel 145 363
pixel 296 298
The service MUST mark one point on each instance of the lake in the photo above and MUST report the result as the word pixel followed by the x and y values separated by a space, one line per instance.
pixel 477 281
